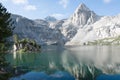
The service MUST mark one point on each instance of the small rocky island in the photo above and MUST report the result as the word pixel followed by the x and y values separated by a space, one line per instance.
pixel 25 45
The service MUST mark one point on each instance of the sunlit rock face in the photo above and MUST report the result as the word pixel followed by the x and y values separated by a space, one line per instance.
pixel 81 17
pixel 106 27
pixel 82 26
pixel 38 30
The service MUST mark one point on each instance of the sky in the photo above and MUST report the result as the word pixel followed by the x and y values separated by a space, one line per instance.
pixel 61 9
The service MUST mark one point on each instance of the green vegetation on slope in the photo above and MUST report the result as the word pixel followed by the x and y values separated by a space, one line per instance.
pixel 106 41
pixel 25 45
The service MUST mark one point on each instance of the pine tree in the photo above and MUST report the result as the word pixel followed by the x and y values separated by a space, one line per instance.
pixel 5 27
pixel 6 30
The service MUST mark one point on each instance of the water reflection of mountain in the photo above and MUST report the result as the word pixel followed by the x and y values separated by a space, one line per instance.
pixel 83 63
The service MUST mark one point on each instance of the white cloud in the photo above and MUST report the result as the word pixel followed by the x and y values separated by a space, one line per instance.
pixel 30 7
pixel 58 15
pixel 20 1
pixel 25 4
pixel 64 3
pixel 107 1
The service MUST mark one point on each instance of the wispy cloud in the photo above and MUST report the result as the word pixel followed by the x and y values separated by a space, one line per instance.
pixel 26 5
pixel 20 1
pixel 64 3
pixel 58 15
pixel 30 7
pixel 107 1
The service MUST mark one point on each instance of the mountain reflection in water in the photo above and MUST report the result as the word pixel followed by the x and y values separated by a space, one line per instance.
pixel 84 63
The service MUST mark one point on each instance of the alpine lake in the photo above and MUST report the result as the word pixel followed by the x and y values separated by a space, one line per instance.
pixel 68 63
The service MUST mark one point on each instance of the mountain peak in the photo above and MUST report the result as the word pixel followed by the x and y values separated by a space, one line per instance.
pixel 50 19
pixel 83 15
pixel 83 7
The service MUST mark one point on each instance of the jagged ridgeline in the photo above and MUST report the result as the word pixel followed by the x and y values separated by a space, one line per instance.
pixel 83 26
pixel 25 45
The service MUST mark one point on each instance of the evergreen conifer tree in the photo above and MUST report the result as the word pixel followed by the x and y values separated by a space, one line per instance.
pixel 6 30
pixel 5 27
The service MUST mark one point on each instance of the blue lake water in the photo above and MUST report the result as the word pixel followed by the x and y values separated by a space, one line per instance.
pixel 69 63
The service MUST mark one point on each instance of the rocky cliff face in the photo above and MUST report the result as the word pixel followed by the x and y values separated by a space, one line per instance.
pixel 37 29
pixel 81 17
pixel 50 19
pixel 106 27
pixel 83 26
